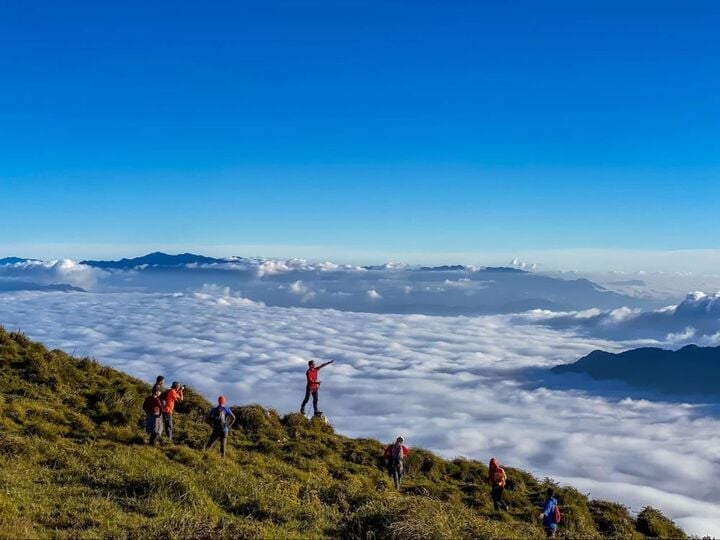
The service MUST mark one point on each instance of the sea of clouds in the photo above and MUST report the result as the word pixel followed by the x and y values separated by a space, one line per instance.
pixel 458 385
pixel 694 320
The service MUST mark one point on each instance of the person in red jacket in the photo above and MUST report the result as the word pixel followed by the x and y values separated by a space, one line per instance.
pixel 313 386
pixel 153 421
pixel 394 455
pixel 497 480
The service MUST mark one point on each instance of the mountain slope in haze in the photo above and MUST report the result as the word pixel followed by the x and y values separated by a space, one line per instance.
pixel 75 466
pixel 690 370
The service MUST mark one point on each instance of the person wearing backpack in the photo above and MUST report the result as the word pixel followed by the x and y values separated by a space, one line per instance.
pixel 153 421
pixel 497 480
pixel 169 397
pixel 220 418
pixel 551 513
pixel 394 455
pixel 313 386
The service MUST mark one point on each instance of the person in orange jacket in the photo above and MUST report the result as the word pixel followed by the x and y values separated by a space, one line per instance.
pixel 497 480
pixel 313 386
pixel 394 455
pixel 169 398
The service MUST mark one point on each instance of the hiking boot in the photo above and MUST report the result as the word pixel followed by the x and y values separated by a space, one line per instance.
pixel 319 413
pixel 302 411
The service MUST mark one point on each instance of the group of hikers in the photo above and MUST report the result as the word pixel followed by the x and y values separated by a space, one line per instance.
pixel 159 407
pixel 497 478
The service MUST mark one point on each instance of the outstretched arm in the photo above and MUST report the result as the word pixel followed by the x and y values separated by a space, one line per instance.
pixel 325 364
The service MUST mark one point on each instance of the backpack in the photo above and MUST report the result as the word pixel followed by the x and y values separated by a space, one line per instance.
pixel 218 418
pixel 499 478
pixel 147 405
pixel 557 515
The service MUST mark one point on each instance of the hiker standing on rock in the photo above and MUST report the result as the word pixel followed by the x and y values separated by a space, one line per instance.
pixel 220 418
pixel 169 397
pixel 313 386
pixel 153 421
pixel 497 480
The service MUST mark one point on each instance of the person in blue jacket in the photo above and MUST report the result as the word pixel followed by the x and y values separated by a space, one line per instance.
pixel 548 516
pixel 220 418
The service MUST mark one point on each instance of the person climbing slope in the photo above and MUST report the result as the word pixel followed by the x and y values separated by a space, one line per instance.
pixel 313 386
pixel 497 480
pixel 551 513
pixel 394 455
pixel 169 398
pixel 153 421
pixel 220 418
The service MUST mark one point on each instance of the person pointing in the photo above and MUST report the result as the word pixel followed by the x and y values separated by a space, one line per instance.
pixel 313 386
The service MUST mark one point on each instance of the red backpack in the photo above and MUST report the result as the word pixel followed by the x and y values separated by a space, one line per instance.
pixel 557 513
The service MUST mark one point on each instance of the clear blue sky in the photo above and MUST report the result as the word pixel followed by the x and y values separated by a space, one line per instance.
pixel 366 126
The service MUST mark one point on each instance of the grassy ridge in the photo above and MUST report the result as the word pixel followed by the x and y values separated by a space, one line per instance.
pixel 75 466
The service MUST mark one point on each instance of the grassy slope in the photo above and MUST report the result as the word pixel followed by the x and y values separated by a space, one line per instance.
pixel 74 465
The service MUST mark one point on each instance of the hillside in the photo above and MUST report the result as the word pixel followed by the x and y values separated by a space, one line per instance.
pixel 690 370
pixel 75 466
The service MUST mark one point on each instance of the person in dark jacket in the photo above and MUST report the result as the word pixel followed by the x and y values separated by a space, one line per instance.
pixel 313 386
pixel 154 420
pixel 220 418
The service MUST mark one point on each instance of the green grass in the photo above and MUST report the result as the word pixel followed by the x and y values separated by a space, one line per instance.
pixel 75 466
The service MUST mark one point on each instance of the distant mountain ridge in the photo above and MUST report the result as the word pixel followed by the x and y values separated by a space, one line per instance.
pixel 14 286
pixel 16 260
pixel 691 370
pixel 449 290
pixel 161 259
pixel 157 258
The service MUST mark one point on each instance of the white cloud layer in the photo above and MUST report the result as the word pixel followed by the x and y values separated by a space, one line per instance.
pixel 62 271
pixel 458 385
pixel 390 288
pixel 694 320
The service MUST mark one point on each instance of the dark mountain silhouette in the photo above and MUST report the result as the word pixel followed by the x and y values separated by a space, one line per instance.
pixel 155 259
pixel 503 270
pixel 14 260
pixel 443 268
pixel 12 286
pixel 691 370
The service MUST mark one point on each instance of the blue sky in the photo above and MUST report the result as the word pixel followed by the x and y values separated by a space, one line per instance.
pixel 359 127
